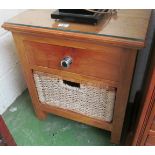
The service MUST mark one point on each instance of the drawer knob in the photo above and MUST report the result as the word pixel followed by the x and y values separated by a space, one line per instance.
pixel 66 62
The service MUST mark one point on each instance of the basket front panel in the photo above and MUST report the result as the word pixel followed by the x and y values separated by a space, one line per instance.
pixel 89 100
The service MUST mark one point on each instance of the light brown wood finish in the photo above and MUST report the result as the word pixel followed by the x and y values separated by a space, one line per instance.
pixel 28 76
pixel 126 71
pixel 76 117
pixel 75 77
pixel 76 36
pixel 129 24
pixel 107 60
pixel 41 109
pixel 104 63
pixel 126 64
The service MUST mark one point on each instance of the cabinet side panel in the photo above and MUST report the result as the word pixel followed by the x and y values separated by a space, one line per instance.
pixel 126 72
pixel 28 74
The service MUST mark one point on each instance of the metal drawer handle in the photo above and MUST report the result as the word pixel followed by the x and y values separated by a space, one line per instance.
pixel 66 62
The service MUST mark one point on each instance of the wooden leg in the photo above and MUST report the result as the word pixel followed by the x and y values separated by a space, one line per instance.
pixel 28 73
pixel 116 132
pixel 122 95
pixel 115 137
pixel 41 114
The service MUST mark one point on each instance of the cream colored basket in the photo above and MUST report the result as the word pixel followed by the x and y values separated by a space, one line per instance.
pixel 84 98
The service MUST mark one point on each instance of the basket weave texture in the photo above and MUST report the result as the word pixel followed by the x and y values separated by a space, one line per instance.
pixel 89 100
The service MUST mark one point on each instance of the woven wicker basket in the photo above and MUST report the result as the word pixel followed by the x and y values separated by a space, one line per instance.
pixel 84 98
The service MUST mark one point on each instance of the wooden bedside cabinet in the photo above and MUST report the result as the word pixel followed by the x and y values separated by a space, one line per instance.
pixel 78 71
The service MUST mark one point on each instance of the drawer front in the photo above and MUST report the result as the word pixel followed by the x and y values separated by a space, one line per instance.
pixel 102 64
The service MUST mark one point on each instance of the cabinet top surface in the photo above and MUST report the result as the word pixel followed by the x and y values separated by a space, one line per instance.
pixel 126 24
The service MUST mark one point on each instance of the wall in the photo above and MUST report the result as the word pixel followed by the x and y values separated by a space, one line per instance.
pixel 12 83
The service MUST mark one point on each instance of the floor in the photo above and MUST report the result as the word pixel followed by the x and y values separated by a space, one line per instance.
pixel 54 131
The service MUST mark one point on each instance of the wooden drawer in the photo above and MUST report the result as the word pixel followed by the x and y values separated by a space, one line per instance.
pixel 102 64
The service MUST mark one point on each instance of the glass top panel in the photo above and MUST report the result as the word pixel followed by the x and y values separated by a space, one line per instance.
pixel 126 24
